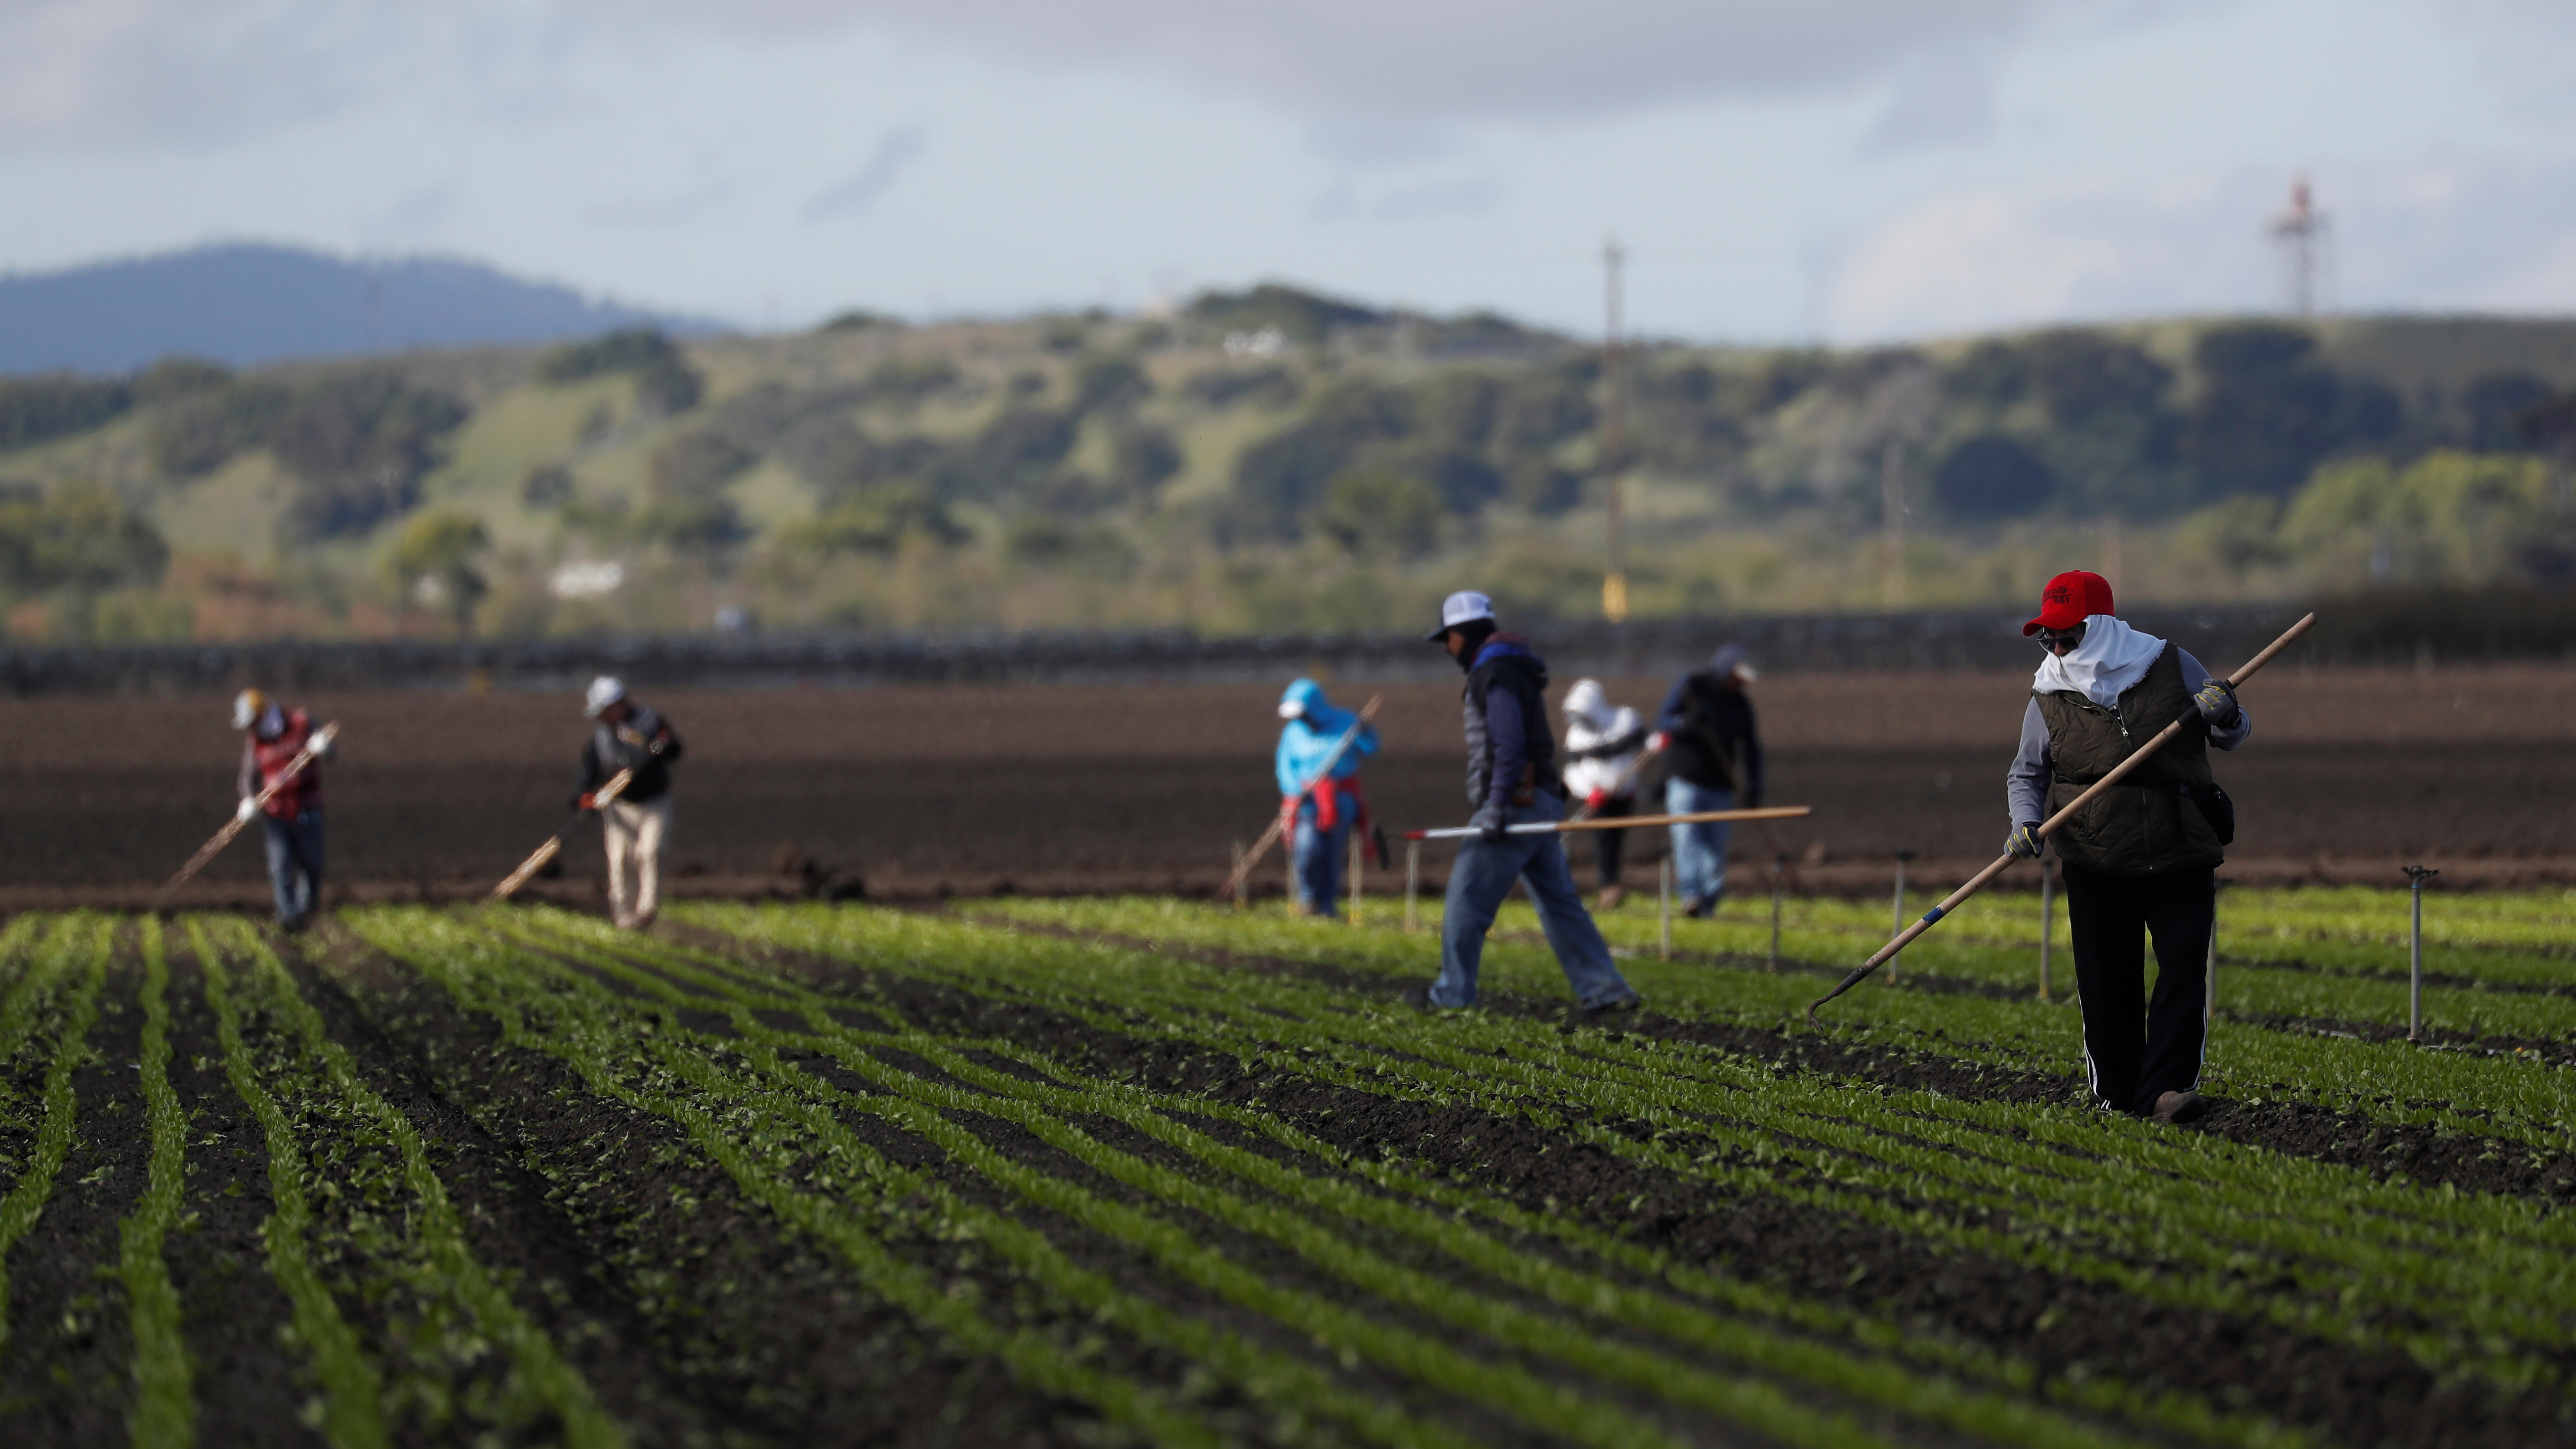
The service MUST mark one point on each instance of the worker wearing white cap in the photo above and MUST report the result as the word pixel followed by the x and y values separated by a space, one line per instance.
pixel 629 736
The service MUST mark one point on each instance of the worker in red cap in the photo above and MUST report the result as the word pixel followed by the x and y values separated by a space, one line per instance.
pixel 2142 859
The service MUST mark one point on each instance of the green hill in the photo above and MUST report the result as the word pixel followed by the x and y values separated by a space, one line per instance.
pixel 1268 460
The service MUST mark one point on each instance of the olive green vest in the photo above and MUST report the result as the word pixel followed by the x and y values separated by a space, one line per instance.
pixel 2146 824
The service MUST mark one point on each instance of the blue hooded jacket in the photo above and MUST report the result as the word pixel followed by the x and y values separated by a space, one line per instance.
pixel 1305 740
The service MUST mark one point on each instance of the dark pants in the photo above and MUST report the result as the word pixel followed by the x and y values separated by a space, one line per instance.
pixel 2135 1050
pixel 295 864
pixel 1609 845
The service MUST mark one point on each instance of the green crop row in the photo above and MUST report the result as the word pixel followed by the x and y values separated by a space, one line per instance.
pixel 2084 1224
pixel 68 974
pixel 798 1159
pixel 165 1409
pixel 400 1220
pixel 682 977
pixel 2516 1100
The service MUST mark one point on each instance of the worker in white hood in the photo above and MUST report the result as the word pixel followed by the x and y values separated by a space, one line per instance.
pixel 1602 742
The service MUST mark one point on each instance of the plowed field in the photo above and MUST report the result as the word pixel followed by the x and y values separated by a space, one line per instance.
pixel 1142 1172
pixel 969 789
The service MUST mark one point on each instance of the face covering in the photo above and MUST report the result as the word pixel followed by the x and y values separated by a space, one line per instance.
pixel 2110 661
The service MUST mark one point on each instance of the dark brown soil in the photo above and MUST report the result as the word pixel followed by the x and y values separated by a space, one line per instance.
pixel 66 1373
pixel 910 789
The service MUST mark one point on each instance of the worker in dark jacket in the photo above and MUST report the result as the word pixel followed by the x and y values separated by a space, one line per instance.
pixel 272 738
pixel 2142 859
pixel 1512 780
pixel 629 736
pixel 1712 761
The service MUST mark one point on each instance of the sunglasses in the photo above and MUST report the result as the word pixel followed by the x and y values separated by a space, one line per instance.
pixel 2052 639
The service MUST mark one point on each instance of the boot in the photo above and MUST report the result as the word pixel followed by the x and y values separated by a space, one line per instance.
pixel 2176 1107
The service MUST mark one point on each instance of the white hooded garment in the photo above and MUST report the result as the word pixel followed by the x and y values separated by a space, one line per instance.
pixel 2112 658
pixel 1590 722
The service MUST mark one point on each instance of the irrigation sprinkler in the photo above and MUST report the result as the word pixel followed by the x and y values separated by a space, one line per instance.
pixel 1896 920
pixel 1412 886
pixel 2048 827
pixel 1779 874
pixel 1664 907
pixel 1355 875
pixel 2047 923
pixel 2415 954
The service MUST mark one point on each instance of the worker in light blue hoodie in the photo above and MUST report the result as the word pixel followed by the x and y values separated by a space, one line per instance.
pixel 1323 804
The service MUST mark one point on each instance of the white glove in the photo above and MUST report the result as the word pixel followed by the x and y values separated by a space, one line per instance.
pixel 248 808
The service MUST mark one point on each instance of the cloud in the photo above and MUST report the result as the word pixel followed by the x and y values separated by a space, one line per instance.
pixel 92 70
pixel 2485 234
pixel 859 192
pixel 1415 201
pixel 1945 96
pixel 674 209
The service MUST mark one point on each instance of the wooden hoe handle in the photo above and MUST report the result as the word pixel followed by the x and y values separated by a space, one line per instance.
pixel 1279 822
pixel 2004 862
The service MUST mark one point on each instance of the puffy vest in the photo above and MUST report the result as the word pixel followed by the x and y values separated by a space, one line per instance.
pixel 269 759
pixel 1525 676
pixel 2148 824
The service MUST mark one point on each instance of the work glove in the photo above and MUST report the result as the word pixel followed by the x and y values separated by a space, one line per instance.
pixel 1660 741
pixel 2218 707
pixel 1488 824
pixel 244 811
pixel 585 801
pixel 2024 842
pixel 1594 801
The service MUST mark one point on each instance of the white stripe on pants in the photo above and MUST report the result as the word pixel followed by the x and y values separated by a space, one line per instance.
pixel 636 835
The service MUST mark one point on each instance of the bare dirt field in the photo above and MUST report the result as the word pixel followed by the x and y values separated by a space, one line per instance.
pixel 970 789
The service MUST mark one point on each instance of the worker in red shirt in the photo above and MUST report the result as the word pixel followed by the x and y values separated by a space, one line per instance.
pixel 272 738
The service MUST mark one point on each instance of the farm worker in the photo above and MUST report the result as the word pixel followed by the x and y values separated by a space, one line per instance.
pixel 2140 860
pixel 1602 747
pixel 1712 761
pixel 1323 806
pixel 271 739
pixel 1512 780
pixel 637 824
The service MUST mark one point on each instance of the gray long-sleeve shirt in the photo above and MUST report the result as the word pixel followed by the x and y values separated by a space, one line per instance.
pixel 2026 783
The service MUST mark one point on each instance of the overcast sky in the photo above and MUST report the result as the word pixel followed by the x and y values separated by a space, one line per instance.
pixel 1846 170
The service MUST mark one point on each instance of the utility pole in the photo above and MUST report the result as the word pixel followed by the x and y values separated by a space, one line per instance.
pixel 1614 444
pixel 2302 235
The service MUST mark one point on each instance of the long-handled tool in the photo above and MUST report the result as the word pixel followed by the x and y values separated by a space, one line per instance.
pixel 1627 778
pixel 1287 811
pixel 2119 771
pixel 1552 827
pixel 614 786
pixel 313 748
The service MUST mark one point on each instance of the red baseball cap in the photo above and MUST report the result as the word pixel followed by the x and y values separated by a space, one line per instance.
pixel 2070 599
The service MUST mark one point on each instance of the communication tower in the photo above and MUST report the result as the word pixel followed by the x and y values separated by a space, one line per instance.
pixel 2302 243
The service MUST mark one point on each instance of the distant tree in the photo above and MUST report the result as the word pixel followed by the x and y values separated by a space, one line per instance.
pixel 1109 383
pixel 704 529
pixel 358 444
pixel 1016 450
pixel 1535 483
pixel 1143 457
pixel 859 319
pixel 1991 476
pixel 2269 414
pixel 1993 373
pixel 1281 479
pixel 81 537
pixel 1302 315
pixel 1263 387
pixel 548 485
pixel 195 432
pixel 697 465
pixel 1381 513
pixel 2082 376
pixel 433 562
pixel 1457 408
pixel 2496 404
pixel 40 409
pixel 876 521
pixel 665 384
pixel 908 380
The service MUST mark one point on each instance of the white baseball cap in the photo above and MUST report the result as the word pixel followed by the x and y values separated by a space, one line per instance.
pixel 604 691
pixel 1463 607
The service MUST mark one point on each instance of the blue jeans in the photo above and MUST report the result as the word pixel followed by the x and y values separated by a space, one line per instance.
pixel 1477 884
pixel 1319 858
pixel 295 864
pixel 1699 851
